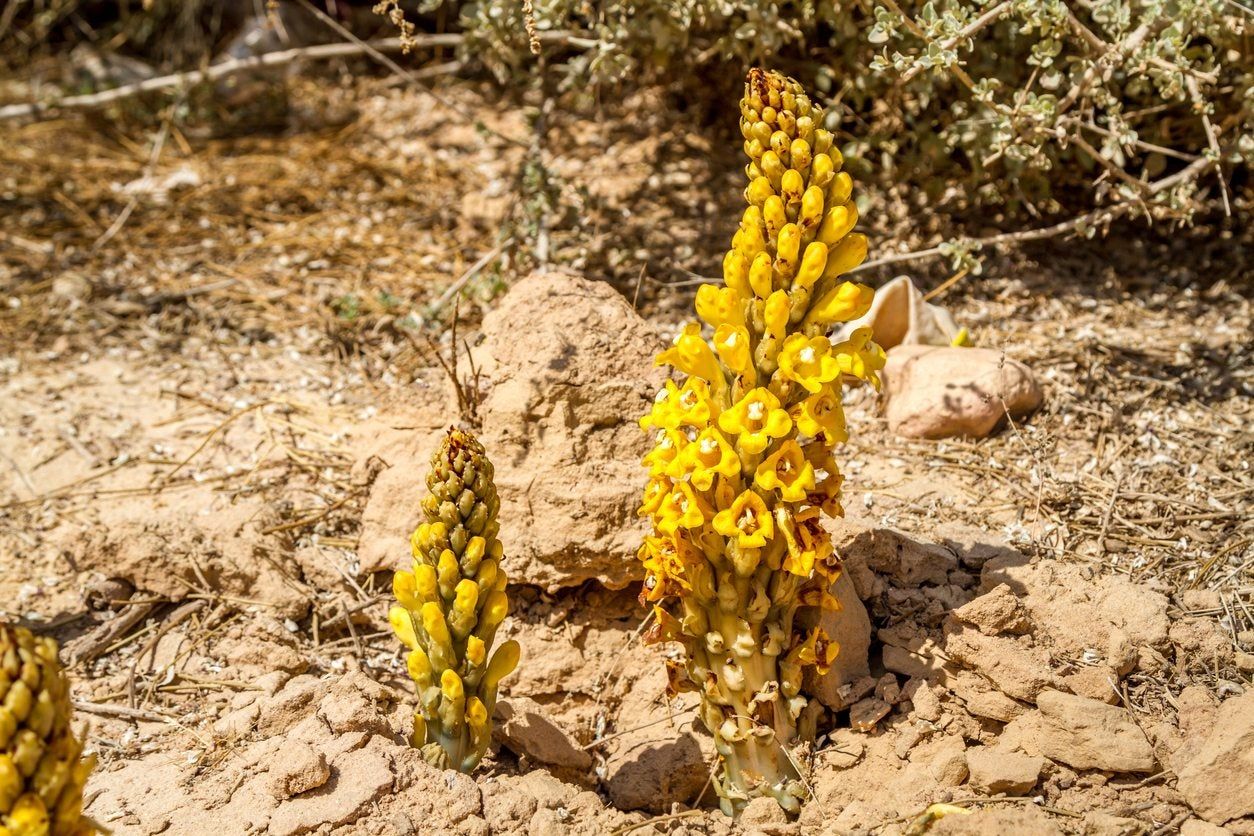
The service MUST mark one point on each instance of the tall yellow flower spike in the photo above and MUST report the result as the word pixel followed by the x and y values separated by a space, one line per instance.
pixel 744 473
pixel 451 604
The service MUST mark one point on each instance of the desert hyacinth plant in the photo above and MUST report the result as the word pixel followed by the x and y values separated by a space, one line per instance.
pixel 742 468
pixel 42 771
pixel 451 604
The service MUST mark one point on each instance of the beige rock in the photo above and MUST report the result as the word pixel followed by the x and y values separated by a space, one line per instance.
pixel 1218 781
pixel 843 749
pixel 1193 600
pixel 524 727
pixel 1086 734
pixel 926 702
pixel 983 700
pixel 359 778
pixel 1121 653
pixel 302 768
pixel 856 690
pixel 949 765
pixel 1023 733
pixel 890 554
pixel 1094 682
pixel 850 628
pixel 865 714
pixel 762 812
pixel 1196 707
pixel 1017 669
pixel 1079 611
pixel 888 689
pixel 942 392
pixel 995 612
pixel 994 770
pixel 908 663
pixel 1201 641
pixel 1197 827
pixel 653 766
pixel 559 422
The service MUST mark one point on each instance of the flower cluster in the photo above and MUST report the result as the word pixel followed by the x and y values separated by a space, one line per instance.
pixel 450 605
pixel 742 468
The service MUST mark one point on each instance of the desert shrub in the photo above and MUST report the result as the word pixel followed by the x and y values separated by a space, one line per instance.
pixel 1106 107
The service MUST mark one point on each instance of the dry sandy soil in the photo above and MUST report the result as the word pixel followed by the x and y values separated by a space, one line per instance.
pixel 214 419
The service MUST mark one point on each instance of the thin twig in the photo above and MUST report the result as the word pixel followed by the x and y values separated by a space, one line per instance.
pixel 609 737
pixel 235 66
pixel 945 285
pixel 464 279
pixel 231 418
pixel 1097 216
pixel 123 711
pixel 992 15
pixel 1211 140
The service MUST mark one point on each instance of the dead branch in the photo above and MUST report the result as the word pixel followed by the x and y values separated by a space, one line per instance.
pixel 320 52
pixel 1094 218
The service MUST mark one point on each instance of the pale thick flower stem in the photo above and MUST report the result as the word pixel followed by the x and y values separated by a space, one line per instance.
pixel 747 711
pixel 754 761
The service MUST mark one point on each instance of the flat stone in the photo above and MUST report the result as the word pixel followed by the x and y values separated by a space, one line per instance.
pixel 865 714
pixel 994 771
pixel 525 728
pixel 1218 781
pixel 850 629
pixel 995 612
pixel 946 392
pixel 1084 733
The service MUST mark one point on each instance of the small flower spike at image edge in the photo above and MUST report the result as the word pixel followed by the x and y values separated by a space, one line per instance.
pixel 742 468
pixel 42 768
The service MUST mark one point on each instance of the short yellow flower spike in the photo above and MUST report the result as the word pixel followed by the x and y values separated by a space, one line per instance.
pixel 42 767
pixel 451 603
pixel 742 469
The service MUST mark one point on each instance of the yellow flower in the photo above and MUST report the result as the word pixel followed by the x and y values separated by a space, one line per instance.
pixel 732 343
pixel 670 443
pixel 681 508
pixel 775 314
pixel 720 305
pixel 756 419
pixel 822 413
pixel 674 407
pixel 817 650
pixel 692 355
pixel 808 361
pixel 844 302
pixel 807 541
pixel 826 496
pixel 748 520
pixel 709 455
pixel 861 357
pixel 787 471
pixel 655 493
pixel 657 554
